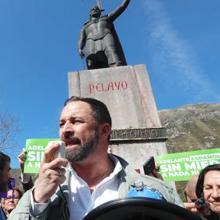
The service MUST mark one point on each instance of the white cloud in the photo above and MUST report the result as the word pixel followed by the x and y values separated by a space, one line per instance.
pixel 176 54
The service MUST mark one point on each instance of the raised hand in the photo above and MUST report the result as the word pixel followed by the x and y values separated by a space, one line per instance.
pixel 52 173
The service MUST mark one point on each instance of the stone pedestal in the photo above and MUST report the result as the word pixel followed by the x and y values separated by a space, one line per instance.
pixel 137 132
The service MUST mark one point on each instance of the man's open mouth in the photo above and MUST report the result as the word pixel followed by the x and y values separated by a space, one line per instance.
pixel 72 141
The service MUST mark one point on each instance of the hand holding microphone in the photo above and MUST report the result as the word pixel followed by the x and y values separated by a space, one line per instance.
pixel 52 172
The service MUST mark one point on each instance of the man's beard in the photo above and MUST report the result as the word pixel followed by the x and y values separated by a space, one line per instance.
pixel 85 150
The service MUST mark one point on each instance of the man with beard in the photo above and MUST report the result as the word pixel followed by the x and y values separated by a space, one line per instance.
pixel 69 188
pixel 4 177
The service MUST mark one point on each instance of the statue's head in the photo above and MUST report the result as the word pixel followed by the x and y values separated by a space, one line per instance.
pixel 96 11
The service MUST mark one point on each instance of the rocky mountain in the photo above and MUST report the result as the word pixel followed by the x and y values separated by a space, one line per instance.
pixel 192 127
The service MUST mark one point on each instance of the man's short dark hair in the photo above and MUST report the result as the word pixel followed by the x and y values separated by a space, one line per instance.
pixel 99 109
pixel 200 181
pixel 3 160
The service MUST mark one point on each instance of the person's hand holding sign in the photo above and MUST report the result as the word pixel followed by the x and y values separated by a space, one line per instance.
pixel 52 173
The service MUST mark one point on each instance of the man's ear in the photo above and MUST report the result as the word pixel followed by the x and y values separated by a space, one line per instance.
pixel 105 130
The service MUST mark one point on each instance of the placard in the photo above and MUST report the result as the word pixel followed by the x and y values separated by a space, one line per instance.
pixel 35 150
pixel 181 166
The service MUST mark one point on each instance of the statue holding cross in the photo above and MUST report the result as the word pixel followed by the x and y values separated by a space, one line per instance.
pixel 99 42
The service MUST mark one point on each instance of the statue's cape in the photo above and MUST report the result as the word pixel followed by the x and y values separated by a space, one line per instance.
pixel 119 46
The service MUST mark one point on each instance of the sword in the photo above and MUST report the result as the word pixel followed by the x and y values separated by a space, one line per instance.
pixel 99 4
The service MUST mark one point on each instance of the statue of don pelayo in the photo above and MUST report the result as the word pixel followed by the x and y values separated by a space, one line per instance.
pixel 99 42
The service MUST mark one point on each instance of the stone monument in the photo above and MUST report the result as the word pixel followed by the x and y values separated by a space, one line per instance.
pixel 137 133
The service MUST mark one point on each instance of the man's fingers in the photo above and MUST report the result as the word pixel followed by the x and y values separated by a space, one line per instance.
pixel 191 207
pixel 56 176
pixel 57 172
pixel 61 171
pixel 21 157
pixel 56 163
pixel 50 151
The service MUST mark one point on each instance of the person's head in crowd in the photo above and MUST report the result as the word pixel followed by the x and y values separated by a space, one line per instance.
pixel 11 200
pixel 190 189
pixel 208 187
pixel 4 171
pixel 151 169
pixel 89 129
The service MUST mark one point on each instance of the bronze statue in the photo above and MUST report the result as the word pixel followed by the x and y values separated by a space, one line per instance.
pixel 99 42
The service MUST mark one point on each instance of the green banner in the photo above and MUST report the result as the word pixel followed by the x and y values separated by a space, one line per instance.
pixel 35 150
pixel 181 166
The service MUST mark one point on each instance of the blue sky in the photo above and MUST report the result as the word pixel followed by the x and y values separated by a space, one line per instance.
pixel 177 40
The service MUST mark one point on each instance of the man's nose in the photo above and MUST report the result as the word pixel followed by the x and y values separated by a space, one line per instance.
pixel 67 126
pixel 216 192
pixel 68 130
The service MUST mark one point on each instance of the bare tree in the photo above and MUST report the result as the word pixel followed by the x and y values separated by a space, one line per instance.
pixel 8 130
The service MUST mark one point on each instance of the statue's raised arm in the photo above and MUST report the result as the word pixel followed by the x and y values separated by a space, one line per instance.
pixel 119 10
pixel 99 42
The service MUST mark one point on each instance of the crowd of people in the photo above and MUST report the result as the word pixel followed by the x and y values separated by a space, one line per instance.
pixel 89 176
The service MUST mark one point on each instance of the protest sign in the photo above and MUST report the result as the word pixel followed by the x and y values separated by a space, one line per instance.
pixel 181 166
pixel 35 149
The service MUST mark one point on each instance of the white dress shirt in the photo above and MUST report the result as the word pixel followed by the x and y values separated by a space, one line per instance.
pixel 82 200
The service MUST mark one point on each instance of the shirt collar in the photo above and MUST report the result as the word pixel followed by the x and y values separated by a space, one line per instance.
pixel 117 169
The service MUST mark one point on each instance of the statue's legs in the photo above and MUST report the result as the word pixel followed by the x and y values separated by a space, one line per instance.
pixel 95 56
pixel 96 61
pixel 113 58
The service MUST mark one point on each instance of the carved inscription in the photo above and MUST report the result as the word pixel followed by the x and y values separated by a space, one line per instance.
pixel 138 134
pixel 107 87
